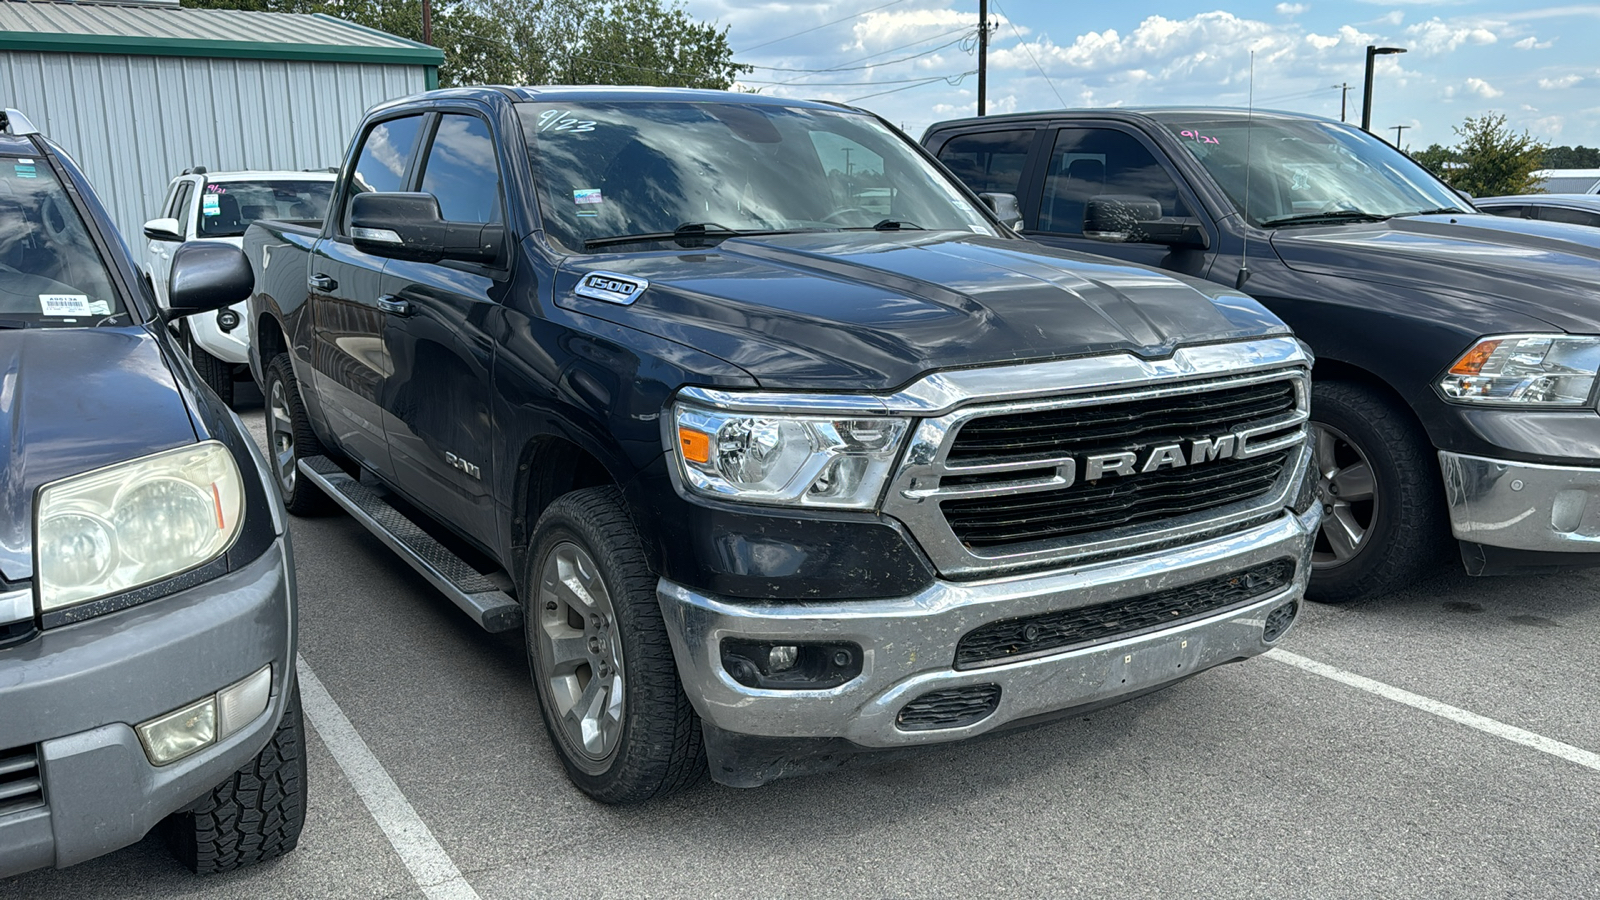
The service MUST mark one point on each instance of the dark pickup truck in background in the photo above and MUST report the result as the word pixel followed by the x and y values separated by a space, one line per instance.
pixel 774 441
pixel 1456 351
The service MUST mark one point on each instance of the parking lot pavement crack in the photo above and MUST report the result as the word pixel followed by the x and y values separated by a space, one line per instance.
pixel 1586 758
pixel 430 866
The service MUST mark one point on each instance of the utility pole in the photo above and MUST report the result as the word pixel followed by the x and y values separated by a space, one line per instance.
pixel 1344 96
pixel 1397 130
pixel 983 57
pixel 427 22
pixel 1373 52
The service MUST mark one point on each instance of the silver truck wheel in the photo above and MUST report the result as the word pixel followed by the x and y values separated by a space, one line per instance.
pixel 601 660
pixel 580 655
pixel 1345 488
pixel 280 435
pixel 289 437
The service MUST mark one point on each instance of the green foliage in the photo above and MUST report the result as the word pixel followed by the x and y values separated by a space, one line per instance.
pixel 1490 159
pixel 653 42
pixel 1579 157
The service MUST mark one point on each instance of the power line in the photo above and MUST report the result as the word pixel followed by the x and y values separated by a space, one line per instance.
pixel 847 63
pixel 887 62
pixel 811 84
pixel 820 27
pixel 1028 51
pixel 951 80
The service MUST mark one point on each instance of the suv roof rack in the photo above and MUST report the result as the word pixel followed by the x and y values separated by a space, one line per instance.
pixel 194 170
pixel 13 122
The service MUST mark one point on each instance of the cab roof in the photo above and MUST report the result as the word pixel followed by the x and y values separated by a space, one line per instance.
pixel 582 93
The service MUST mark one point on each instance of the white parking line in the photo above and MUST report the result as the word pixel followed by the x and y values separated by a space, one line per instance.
pixel 1499 729
pixel 432 868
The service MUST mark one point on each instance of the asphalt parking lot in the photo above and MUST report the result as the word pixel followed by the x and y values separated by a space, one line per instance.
pixel 1440 742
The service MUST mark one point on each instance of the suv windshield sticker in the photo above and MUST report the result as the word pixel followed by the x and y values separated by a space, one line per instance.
pixel 24 169
pixel 587 195
pixel 65 304
pixel 557 120
pixel 210 205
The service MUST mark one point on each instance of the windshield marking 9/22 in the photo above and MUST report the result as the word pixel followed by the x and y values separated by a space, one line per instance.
pixel 624 172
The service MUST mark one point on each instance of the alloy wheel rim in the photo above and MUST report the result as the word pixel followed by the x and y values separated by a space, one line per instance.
pixel 580 663
pixel 1347 491
pixel 280 433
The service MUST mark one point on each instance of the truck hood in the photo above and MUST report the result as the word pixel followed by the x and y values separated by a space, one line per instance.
pixel 72 400
pixel 873 311
pixel 1545 270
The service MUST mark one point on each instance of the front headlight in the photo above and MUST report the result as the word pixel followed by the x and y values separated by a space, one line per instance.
pixel 783 459
pixel 134 523
pixel 1526 369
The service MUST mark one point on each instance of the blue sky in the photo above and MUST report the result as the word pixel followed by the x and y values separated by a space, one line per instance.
pixel 1537 63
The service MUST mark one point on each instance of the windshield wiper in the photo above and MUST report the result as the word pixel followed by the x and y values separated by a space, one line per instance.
pixel 688 230
pixel 1433 212
pixel 1317 218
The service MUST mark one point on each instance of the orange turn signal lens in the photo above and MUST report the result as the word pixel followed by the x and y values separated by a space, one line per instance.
pixel 1472 363
pixel 696 446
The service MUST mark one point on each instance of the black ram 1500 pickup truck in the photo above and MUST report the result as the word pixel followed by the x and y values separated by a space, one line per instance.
pixel 777 444
pixel 1456 351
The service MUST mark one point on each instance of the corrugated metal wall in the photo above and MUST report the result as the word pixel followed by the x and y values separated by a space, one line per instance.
pixel 133 122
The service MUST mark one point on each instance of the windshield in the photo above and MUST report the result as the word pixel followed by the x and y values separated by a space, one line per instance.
pixel 50 272
pixel 705 170
pixel 228 207
pixel 1309 171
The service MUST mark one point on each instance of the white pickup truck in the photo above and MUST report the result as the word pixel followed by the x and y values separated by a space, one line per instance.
pixel 219 206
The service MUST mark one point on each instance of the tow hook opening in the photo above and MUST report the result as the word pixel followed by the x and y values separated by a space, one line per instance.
pixel 797 666
pixel 1278 621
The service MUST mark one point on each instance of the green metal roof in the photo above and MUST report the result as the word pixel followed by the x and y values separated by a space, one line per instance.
pixel 218 33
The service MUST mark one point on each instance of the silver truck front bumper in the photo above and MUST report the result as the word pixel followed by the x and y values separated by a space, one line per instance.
pixel 1522 506
pixel 909 643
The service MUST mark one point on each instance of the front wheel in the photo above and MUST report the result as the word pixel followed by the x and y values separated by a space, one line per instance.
pixel 1380 492
pixel 600 657
pixel 216 373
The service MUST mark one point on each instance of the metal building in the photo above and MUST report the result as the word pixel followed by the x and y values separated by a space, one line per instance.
pixel 141 91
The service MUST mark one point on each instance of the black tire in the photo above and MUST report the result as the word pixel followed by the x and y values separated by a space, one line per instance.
pixel 216 373
pixel 290 439
pixel 254 816
pixel 658 748
pixel 1404 523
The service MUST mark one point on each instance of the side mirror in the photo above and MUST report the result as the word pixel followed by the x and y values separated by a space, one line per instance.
pixel 164 230
pixel 1005 208
pixel 207 276
pixel 408 226
pixel 1130 218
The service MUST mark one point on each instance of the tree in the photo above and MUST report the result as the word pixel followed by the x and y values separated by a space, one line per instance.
pixel 1490 160
pixel 544 41
pixel 1579 157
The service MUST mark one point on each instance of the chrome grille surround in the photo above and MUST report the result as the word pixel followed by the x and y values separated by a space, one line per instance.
pixel 943 401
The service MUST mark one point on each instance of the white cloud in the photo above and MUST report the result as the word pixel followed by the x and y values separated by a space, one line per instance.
pixel 1549 126
pixel 1483 88
pixel 1438 36
pixel 1555 84
pixel 1292 9
pixel 1532 43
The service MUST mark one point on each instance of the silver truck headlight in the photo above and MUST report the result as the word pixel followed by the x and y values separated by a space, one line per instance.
pixel 783 459
pixel 134 523
pixel 1526 369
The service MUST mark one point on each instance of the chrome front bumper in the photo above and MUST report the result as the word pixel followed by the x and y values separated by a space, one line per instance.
pixel 909 643
pixel 1522 506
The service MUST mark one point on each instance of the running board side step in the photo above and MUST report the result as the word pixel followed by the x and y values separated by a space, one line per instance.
pixel 475 593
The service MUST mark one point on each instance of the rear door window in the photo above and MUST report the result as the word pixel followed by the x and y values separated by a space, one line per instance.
pixel 989 161
pixel 384 160
pixel 1510 212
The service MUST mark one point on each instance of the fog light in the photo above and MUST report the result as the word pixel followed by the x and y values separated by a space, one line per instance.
pixel 238 706
pixel 178 734
pixel 791 667
pixel 782 658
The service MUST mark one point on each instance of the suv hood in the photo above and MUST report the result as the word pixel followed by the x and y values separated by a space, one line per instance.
pixel 72 400
pixel 873 311
pixel 1544 270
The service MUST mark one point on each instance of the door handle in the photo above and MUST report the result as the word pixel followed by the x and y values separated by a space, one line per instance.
pixel 320 282
pixel 389 304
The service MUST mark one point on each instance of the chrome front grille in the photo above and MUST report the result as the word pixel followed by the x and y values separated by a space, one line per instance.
pixel 1040 482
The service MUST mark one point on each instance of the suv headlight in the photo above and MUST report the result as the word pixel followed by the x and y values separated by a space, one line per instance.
pixel 134 523
pixel 760 457
pixel 1526 369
